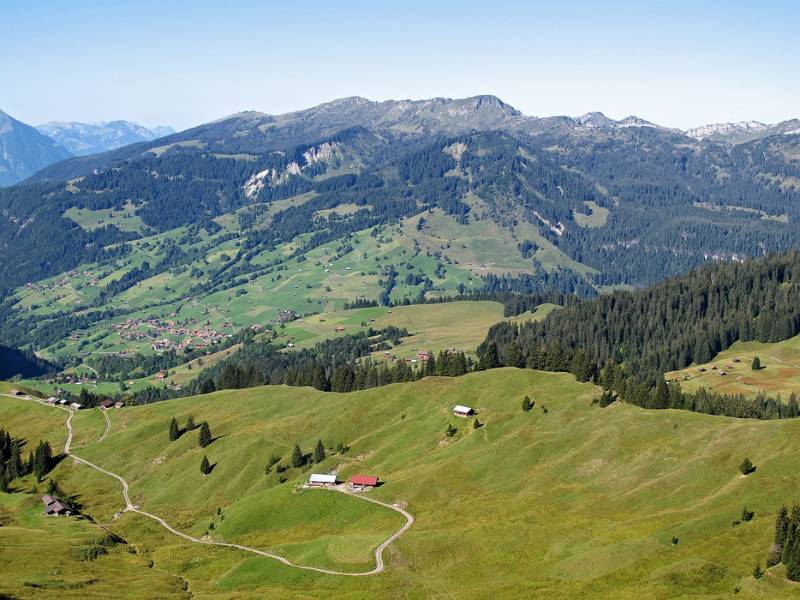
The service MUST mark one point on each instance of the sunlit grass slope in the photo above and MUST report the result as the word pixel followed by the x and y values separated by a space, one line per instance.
pixel 779 372
pixel 576 501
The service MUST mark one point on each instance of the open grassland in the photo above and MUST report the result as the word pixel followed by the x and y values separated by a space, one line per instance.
pixel 45 557
pixel 433 327
pixel 577 501
pixel 779 373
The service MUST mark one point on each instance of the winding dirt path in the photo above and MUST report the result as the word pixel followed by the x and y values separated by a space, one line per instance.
pixel 130 507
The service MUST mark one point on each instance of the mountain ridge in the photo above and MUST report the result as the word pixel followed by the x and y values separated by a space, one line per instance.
pixel 24 150
pixel 83 139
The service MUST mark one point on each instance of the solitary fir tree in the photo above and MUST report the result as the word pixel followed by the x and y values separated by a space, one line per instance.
pixel 190 426
pixel 756 364
pixel 477 424
pixel 298 460
pixel 205 466
pixel 450 431
pixel 526 404
pixel 747 467
pixel 319 452
pixel 174 433
pixel 205 435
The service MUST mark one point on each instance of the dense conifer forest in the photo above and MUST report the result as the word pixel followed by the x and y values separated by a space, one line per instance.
pixel 628 340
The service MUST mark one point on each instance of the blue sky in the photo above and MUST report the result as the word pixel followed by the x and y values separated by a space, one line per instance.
pixel 183 63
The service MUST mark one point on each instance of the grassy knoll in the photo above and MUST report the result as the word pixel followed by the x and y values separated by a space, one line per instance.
pixel 779 373
pixel 575 502
pixel 433 327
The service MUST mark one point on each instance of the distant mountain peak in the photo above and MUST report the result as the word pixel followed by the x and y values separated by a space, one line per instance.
pixel 91 138
pixel 24 150
pixel 595 119
pixel 600 121
pixel 743 131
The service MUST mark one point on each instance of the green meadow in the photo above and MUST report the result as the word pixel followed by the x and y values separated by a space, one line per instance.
pixel 779 373
pixel 567 500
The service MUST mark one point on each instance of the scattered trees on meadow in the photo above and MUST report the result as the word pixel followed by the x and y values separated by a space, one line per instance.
pixel 319 452
pixel 12 465
pixel 527 405
pixel 273 460
pixel 298 458
pixel 174 432
pixel 205 438
pixel 786 546
pixel 756 366
pixel 205 466
pixel 747 467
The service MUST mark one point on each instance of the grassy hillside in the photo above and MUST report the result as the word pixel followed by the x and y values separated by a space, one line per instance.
pixel 779 373
pixel 433 327
pixel 573 502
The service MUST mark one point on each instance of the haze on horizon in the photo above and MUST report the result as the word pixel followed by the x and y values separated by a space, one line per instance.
pixel 680 64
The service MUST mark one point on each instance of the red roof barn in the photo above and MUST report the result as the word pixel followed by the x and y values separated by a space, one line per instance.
pixel 363 481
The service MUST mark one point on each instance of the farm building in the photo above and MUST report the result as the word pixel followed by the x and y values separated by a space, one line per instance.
pixel 320 480
pixel 424 356
pixel 118 404
pixel 106 404
pixel 62 401
pixel 52 400
pixel 17 393
pixel 462 411
pixel 54 506
pixel 339 328
pixel 76 405
pixel 363 482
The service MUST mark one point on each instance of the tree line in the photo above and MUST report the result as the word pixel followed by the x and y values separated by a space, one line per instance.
pixel 627 340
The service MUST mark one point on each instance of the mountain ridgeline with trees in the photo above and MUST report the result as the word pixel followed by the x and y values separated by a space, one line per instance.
pixel 672 201
pixel 627 340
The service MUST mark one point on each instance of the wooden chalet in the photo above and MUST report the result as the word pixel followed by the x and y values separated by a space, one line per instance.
pixel 363 482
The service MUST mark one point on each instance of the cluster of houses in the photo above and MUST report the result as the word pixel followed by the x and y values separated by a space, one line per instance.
pixel 65 280
pixel 358 483
pixel 105 404
pixel 73 379
pixel 55 507
pixel 192 335
pixel 52 400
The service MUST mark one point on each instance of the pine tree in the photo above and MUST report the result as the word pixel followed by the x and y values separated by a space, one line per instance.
pixel 756 366
pixel 298 460
pixel 527 404
pixel 319 452
pixel 757 572
pixel 747 467
pixel 205 435
pixel 205 466
pixel 190 426
pixel 174 432
pixel 477 424
pixel 450 431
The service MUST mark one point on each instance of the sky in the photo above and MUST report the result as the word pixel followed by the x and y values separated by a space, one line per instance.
pixel 183 63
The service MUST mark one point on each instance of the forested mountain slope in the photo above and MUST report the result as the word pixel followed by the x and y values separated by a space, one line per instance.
pixel 405 198
pixel 630 339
